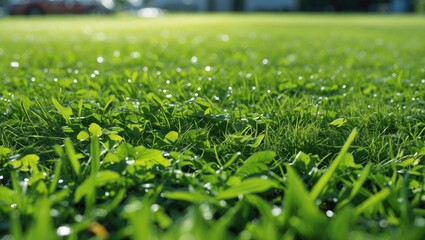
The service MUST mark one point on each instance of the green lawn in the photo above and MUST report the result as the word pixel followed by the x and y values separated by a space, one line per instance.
pixel 212 127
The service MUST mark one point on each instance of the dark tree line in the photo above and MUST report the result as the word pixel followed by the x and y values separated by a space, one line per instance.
pixel 346 5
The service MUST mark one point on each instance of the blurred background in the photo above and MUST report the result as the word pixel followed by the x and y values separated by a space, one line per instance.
pixel 40 7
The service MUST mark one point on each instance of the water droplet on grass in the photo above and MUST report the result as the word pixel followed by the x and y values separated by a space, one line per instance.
pixel 129 161
pixel 265 61
pixel 64 230
pixel 276 211
pixel 78 218
pixel 54 212
pixel 329 213
pixel 99 59
pixel 206 211
pixel 193 59
pixel 135 54
pixel 154 207
pixel 147 185
pixel 14 64
pixel 207 68
pixel 383 223
pixel 224 38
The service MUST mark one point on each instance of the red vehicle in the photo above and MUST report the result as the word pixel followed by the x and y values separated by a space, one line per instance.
pixel 40 7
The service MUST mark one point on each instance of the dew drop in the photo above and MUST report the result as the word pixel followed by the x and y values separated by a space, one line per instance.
pixel 99 59
pixel 206 211
pixel 329 213
pixel 154 207
pixel 276 211
pixel 383 223
pixel 135 54
pixel 64 230
pixel 224 38
pixel 78 218
pixel 207 68
pixel 14 64
pixel 54 212
pixel 129 161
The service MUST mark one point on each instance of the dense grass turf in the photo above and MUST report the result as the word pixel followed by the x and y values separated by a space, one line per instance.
pixel 212 127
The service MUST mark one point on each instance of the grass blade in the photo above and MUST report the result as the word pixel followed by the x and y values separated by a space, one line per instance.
pixel 251 185
pixel 73 157
pixel 357 185
pixel 94 155
pixel 373 200
pixel 321 184
pixel 64 111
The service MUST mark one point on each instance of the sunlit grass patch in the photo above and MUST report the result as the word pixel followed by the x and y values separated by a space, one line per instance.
pixel 225 126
